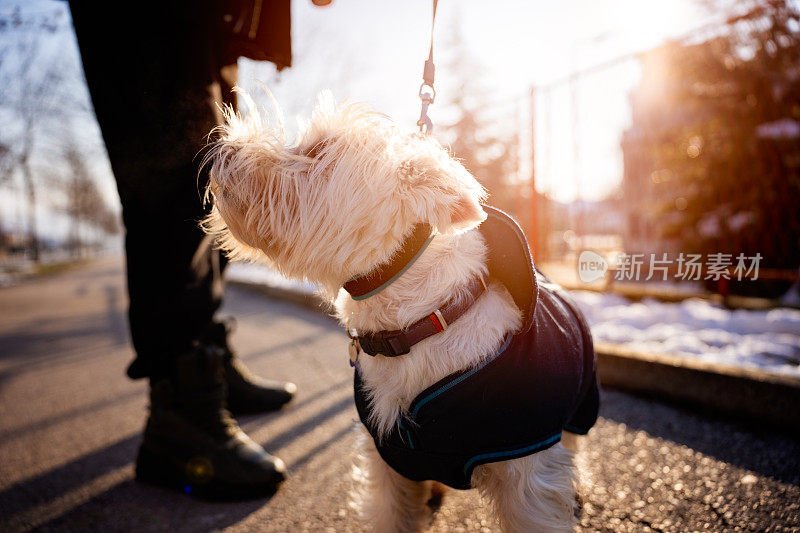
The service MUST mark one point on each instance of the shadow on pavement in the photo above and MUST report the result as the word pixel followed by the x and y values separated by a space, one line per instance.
pixel 52 484
pixel 28 350
pixel 294 405
pixel 250 423
pixel 75 412
pixel 143 508
pixel 308 424
pixel 130 506
pixel 56 338
pixel 277 349
pixel 30 344
pixel 306 457
pixel 764 452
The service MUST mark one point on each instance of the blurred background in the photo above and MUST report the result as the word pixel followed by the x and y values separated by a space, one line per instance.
pixel 649 130
pixel 650 150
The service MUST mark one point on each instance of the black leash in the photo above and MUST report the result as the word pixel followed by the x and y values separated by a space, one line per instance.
pixel 426 91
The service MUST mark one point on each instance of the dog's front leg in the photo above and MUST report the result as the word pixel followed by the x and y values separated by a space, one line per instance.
pixel 393 502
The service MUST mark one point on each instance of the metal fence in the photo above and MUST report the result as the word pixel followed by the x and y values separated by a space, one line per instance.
pixel 678 165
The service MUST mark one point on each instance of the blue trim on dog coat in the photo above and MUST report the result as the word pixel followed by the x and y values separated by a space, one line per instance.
pixel 541 381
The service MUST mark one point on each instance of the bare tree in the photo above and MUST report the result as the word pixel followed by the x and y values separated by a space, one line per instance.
pixel 83 203
pixel 490 155
pixel 37 91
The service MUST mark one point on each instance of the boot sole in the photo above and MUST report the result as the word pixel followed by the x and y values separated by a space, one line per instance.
pixel 156 470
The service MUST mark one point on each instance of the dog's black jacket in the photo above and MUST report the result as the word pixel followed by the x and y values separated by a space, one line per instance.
pixel 517 402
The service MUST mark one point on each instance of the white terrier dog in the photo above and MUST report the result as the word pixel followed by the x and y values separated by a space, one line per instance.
pixel 398 222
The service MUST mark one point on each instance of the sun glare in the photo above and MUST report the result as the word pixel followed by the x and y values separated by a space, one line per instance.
pixel 580 120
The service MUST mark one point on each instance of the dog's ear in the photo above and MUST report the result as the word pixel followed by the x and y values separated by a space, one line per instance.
pixel 460 214
pixel 243 190
pixel 447 198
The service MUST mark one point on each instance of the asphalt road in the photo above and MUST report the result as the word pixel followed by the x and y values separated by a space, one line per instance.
pixel 70 425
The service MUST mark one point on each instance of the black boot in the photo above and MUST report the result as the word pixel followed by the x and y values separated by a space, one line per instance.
pixel 247 393
pixel 191 443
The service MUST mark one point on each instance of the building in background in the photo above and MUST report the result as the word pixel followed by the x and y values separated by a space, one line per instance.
pixel 712 158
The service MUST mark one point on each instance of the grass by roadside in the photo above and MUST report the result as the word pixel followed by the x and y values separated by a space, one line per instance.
pixel 15 272
pixel 54 268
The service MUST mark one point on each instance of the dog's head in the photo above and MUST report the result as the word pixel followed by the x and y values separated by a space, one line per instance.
pixel 339 201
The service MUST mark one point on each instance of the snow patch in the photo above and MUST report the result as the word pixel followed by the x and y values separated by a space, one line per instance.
pixel 695 328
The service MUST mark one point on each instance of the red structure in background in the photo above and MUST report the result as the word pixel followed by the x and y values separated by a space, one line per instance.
pixel 533 231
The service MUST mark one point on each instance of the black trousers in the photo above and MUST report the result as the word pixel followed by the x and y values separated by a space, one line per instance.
pixel 156 73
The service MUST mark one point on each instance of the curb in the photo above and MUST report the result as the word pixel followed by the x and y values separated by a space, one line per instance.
pixel 763 400
pixel 307 300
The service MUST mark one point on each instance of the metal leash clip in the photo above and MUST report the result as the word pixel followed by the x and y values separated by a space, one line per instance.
pixel 427 94
pixel 426 91
pixel 354 348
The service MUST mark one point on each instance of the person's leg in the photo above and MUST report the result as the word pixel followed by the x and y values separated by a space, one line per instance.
pixel 154 83
pixel 154 79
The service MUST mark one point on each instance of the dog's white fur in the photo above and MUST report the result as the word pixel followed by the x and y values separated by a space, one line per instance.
pixel 338 203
